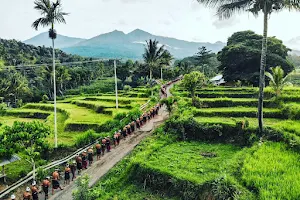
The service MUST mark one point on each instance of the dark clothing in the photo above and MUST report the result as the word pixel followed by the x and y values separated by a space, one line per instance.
pixel 35 195
pixel 67 175
pixel 79 166
pixel 55 184
pixel 90 157
pixel 98 151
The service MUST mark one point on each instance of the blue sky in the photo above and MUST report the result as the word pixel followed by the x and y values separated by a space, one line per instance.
pixel 182 19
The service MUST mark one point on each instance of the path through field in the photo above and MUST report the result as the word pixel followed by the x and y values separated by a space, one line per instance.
pixel 101 167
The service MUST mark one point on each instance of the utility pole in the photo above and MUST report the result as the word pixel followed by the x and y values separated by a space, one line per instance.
pixel 116 84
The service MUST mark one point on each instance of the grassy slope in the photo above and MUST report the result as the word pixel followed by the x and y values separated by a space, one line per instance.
pixel 184 160
pixel 274 170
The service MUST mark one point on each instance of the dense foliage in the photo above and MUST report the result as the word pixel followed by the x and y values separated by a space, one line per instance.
pixel 23 135
pixel 240 59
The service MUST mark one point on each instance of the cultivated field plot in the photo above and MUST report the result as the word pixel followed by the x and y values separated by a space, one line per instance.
pixel 75 114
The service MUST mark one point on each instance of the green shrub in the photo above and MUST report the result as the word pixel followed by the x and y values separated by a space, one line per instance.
pixel 86 138
pixel 291 111
pixel 186 127
pixel 45 98
pixel 127 88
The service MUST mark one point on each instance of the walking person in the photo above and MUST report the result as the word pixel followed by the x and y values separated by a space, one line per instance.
pixel 108 144
pixel 73 169
pixel 27 194
pixel 90 155
pixel 79 163
pixel 98 151
pixel 12 197
pixel 45 186
pixel 118 137
pixel 103 145
pixel 115 139
pixel 34 191
pixel 67 174
pixel 84 159
pixel 124 132
pixel 55 181
pixel 132 126
pixel 138 125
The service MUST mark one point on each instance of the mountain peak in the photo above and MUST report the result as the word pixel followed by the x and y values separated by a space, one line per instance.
pixel 117 32
pixel 139 32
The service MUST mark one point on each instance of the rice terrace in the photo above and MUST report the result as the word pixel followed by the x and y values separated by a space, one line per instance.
pixel 134 115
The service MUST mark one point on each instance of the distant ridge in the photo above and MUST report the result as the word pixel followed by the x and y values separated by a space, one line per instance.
pixel 60 42
pixel 118 44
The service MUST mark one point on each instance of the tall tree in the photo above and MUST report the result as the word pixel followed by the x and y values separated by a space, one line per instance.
pixel 165 61
pixel 51 13
pixel 153 55
pixel 192 81
pixel 240 58
pixel 227 8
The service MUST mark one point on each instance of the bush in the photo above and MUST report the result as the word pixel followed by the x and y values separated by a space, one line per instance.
pixel 291 111
pixel 86 138
pixel 45 98
pixel 186 127
pixel 127 88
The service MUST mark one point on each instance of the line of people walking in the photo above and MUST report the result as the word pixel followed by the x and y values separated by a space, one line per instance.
pixel 86 158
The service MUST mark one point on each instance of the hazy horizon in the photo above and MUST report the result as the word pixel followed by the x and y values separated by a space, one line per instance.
pixel 184 20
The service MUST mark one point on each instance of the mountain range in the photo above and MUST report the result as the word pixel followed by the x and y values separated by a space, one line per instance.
pixel 117 44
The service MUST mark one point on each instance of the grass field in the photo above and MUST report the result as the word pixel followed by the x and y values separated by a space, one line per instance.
pixel 184 160
pixel 274 171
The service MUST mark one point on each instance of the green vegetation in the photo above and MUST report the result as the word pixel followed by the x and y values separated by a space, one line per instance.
pixel 273 170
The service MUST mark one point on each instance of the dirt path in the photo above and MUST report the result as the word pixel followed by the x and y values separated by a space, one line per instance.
pixel 101 167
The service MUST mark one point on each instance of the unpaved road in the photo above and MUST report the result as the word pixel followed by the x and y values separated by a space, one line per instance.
pixel 101 167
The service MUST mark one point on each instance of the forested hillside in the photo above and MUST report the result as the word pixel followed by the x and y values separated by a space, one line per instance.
pixel 13 52
pixel 21 76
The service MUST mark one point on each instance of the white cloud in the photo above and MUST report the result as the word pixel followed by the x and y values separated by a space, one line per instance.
pixel 173 18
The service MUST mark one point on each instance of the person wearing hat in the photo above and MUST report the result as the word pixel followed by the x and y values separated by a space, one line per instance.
pixel 98 150
pixel 34 191
pixel 118 137
pixel 84 160
pixel 79 163
pixel 138 126
pixel 73 169
pixel 27 194
pixel 90 155
pixel 12 197
pixel 103 143
pixel 55 181
pixel 67 174
pixel 108 143
pixel 45 186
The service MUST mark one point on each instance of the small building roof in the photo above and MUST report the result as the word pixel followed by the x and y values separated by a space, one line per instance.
pixel 14 158
pixel 217 78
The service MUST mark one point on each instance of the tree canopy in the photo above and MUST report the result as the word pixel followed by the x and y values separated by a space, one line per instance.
pixel 240 59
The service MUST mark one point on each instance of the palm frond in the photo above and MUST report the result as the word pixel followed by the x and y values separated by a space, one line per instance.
pixel 227 10
pixel 43 6
pixel 214 3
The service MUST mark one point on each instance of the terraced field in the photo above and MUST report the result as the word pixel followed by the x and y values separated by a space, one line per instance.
pixel 76 114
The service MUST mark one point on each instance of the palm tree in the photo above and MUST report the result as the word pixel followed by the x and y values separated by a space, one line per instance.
pixel 51 13
pixel 277 79
pixel 165 61
pixel 153 55
pixel 226 8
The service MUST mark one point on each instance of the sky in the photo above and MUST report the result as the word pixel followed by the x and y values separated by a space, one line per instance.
pixel 181 19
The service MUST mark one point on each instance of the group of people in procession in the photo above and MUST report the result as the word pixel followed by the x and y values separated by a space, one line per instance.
pixel 86 158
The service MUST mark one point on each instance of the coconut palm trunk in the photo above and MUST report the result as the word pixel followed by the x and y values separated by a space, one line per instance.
pixel 54 92
pixel 263 63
